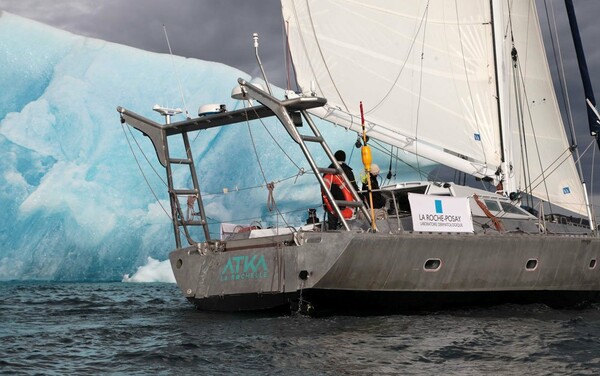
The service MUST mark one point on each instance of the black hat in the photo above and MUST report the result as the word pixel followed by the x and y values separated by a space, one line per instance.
pixel 340 156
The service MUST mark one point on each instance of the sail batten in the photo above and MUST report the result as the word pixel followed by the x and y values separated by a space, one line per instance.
pixel 436 83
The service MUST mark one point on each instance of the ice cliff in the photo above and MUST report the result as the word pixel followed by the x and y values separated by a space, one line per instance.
pixel 74 205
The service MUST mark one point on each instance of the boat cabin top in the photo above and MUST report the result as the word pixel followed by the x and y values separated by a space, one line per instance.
pixel 500 206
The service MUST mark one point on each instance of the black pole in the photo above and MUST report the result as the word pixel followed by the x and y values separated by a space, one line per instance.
pixel 583 70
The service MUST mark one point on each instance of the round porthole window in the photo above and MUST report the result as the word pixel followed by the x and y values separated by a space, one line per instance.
pixel 432 264
pixel 531 264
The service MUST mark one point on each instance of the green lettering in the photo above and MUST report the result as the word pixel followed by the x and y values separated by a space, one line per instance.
pixel 228 266
pixel 261 261
pixel 249 264
pixel 237 260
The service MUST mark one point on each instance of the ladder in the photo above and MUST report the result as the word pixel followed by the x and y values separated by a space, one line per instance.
pixel 178 218
pixel 177 215
pixel 160 133
pixel 279 108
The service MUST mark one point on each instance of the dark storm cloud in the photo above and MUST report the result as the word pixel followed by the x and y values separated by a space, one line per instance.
pixel 587 12
pixel 210 30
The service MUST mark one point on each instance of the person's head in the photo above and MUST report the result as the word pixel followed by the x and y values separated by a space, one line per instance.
pixel 340 156
pixel 375 170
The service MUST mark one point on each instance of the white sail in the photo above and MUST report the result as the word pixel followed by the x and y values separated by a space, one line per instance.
pixel 417 69
pixel 539 138
pixel 426 74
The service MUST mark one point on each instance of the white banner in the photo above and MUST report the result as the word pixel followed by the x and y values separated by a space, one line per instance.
pixel 440 213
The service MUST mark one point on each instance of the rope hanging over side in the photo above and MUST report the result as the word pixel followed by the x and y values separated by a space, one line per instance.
pixel 191 199
pixel 262 171
pixel 270 199
pixel 488 213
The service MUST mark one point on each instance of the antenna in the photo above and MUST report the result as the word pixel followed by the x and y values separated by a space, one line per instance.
pixel 187 114
pixel 255 38
pixel 167 112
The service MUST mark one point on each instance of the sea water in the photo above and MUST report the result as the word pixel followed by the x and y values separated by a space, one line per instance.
pixel 150 329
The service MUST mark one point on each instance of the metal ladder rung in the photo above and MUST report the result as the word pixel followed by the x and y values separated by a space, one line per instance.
pixel 185 191
pixel 309 138
pixel 193 223
pixel 353 204
pixel 180 161
pixel 327 170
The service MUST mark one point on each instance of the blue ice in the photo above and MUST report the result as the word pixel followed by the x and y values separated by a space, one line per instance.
pixel 74 204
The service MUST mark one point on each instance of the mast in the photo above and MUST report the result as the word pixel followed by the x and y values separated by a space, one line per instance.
pixel 593 118
pixel 497 32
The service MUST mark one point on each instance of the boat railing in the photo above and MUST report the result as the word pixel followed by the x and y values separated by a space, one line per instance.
pixel 568 220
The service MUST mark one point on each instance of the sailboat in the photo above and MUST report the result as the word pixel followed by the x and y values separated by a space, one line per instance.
pixel 463 84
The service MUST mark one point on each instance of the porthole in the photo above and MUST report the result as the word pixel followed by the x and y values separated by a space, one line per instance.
pixel 531 264
pixel 593 263
pixel 432 265
pixel 179 263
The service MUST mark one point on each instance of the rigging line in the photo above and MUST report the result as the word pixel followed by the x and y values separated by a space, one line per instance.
pixel 521 128
pixel 146 157
pixel 382 149
pixel 253 187
pixel 215 221
pixel 303 41
pixel 502 214
pixel 563 79
pixel 396 163
pixel 462 52
pixel 277 143
pixel 592 142
pixel 592 178
pixel 555 43
pixel 286 53
pixel 421 86
pixel 434 177
pixel 537 147
pixel 509 28
pixel 403 65
pixel 520 120
pixel 323 57
pixel 389 174
pixel 143 174
pixel 187 114
pixel 554 165
pixel 260 166
pixel 518 104
pixel 289 64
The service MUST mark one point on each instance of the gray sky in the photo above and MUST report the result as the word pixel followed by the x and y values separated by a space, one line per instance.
pixel 221 30
pixel 213 30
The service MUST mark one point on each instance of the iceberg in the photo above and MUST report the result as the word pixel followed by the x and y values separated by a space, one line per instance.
pixel 153 271
pixel 76 204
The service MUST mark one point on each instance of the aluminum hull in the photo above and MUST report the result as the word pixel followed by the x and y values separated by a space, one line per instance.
pixel 406 271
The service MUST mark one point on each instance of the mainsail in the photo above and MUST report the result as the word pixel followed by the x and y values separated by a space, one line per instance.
pixel 437 80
